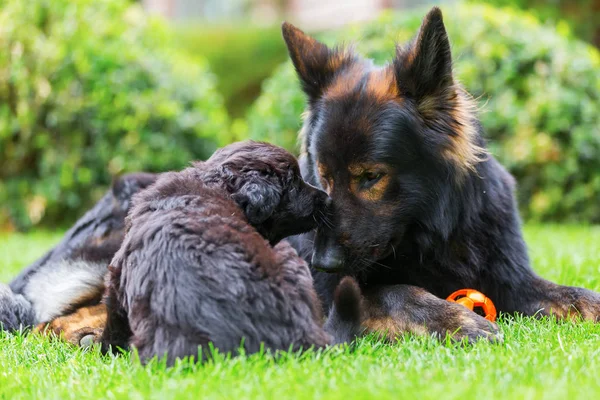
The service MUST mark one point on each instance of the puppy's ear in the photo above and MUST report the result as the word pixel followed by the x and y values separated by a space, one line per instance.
pixel 259 198
pixel 315 63
pixel 424 67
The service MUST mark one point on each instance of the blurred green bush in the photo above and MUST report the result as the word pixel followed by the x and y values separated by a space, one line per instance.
pixel 241 57
pixel 90 89
pixel 539 91
pixel 582 16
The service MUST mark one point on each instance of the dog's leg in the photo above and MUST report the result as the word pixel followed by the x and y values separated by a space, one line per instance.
pixel 117 332
pixel 540 297
pixel 394 310
pixel 515 288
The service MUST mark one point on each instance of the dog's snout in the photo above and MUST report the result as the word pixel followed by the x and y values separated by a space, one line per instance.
pixel 329 259
pixel 328 254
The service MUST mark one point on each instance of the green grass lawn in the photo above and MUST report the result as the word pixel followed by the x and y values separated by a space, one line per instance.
pixel 538 359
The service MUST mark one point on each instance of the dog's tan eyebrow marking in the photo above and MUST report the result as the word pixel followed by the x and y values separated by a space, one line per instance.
pixel 357 169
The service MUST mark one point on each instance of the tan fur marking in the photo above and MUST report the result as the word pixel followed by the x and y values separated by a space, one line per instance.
pixel 375 192
pixel 566 311
pixel 72 327
pixel 463 151
pixel 393 327
pixel 382 85
pixel 343 85
pixel 385 326
pixel 326 180
pixel 338 58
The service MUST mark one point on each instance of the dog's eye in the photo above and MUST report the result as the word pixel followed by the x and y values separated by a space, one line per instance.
pixel 368 179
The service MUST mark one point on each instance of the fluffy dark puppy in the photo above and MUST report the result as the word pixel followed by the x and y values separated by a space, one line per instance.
pixel 195 267
pixel 417 199
pixel 71 275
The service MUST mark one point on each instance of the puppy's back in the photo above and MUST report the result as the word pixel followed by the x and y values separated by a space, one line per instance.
pixel 194 271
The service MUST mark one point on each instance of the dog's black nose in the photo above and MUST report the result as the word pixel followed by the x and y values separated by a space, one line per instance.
pixel 328 259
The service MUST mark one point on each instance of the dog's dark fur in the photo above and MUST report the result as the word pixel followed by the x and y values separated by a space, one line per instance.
pixel 416 198
pixel 70 275
pixel 394 310
pixel 195 269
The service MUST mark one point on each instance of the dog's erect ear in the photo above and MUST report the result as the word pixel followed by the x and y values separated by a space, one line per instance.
pixel 258 198
pixel 424 67
pixel 315 63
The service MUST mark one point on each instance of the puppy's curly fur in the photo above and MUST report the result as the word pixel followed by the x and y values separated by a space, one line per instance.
pixel 198 265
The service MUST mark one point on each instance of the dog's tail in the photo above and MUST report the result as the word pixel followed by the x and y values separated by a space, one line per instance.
pixel 346 315
pixel 16 311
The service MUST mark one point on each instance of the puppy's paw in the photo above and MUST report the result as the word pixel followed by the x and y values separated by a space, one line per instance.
pixel 82 328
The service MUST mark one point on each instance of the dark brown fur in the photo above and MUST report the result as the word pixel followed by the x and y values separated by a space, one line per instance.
pixel 195 267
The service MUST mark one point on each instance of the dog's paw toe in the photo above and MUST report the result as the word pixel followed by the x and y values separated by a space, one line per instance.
pixel 463 324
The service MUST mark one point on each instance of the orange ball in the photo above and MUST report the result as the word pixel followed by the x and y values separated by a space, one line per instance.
pixel 472 299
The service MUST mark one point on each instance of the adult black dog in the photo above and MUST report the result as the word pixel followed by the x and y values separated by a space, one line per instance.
pixel 71 275
pixel 417 198
pixel 198 266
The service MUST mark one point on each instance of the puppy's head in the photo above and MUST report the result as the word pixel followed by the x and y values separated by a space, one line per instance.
pixel 265 182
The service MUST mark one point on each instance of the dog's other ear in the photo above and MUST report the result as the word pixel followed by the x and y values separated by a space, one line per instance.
pixel 424 67
pixel 125 186
pixel 259 198
pixel 315 63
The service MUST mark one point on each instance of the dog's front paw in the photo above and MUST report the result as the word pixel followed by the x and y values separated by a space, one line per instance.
pixel 399 309
pixel 573 303
pixel 462 324
pixel 82 328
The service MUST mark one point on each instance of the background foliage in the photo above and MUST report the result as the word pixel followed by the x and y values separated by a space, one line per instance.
pixel 89 89
pixel 539 90
pixel 583 16
pixel 241 57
